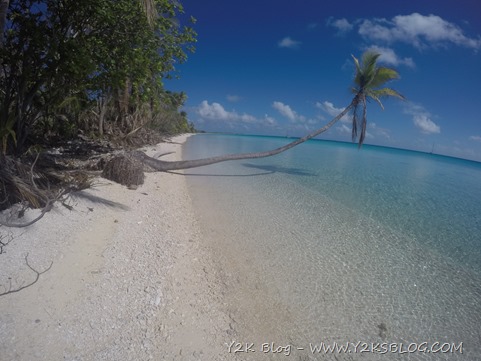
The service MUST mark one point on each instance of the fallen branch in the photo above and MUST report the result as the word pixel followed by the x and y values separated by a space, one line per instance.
pixel 37 276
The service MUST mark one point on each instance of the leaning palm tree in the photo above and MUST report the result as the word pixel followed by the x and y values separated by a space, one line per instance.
pixel 368 82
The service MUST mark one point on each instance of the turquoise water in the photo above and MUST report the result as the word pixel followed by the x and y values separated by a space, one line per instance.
pixel 328 243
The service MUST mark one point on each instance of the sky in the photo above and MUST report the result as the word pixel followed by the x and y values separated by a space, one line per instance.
pixel 285 68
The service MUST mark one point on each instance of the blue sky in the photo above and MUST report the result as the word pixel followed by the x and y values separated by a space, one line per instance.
pixel 285 68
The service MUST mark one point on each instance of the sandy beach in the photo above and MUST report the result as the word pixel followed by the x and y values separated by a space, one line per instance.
pixel 130 278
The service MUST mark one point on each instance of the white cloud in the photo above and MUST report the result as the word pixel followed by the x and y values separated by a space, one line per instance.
pixel 330 109
pixel 426 125
pixel 285 110
pixel 269 120
pixel 374 31
pixel 215 111
pixel 287 42
pixel 288 112
pixel 342 25
pixel 417 29
pixel 422 119
pixel 233 98
pixel 344 129
pixel 389 57
pixel 476 138
pixel 379 131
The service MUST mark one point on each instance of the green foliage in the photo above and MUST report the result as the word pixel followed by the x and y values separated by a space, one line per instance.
pixel 167 119
pixel 86 64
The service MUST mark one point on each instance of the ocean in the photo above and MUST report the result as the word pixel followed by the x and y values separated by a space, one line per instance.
pixel 374 252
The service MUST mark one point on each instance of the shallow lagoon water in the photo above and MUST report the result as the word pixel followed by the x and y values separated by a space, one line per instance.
pixel 326 243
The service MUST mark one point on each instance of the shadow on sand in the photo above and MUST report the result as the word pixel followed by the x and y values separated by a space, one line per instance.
pixel 99 200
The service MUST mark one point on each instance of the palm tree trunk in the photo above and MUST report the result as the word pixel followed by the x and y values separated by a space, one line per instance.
pixel 364 122
pixel 163 166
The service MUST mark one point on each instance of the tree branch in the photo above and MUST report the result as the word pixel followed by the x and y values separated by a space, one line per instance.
pixel 37 276
pixel 45 209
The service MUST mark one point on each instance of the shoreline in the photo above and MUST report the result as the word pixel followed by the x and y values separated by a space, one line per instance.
pixel 301 265
pixel 131 277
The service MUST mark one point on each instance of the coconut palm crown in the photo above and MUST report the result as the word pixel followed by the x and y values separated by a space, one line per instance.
pixel 368 83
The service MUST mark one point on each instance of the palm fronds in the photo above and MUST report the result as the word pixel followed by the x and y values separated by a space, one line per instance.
pixel 368 82
pixel 19 183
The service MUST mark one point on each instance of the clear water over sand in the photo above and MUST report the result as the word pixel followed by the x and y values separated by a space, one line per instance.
pixel 325 243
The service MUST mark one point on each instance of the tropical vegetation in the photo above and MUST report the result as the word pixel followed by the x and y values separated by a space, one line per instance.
pixel 89 66
pixel 95 70
pixel 89 69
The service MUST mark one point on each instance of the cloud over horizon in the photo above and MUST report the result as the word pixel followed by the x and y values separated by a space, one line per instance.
pixel 216 111
pixel 422 119
pixel 288 112
pixel 343 129
pixel 330 109
pixel 380 131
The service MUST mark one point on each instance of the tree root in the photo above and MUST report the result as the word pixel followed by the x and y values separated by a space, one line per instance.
pixel 45 209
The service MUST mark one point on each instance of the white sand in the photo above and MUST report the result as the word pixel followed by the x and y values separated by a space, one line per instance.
pixel 131 278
